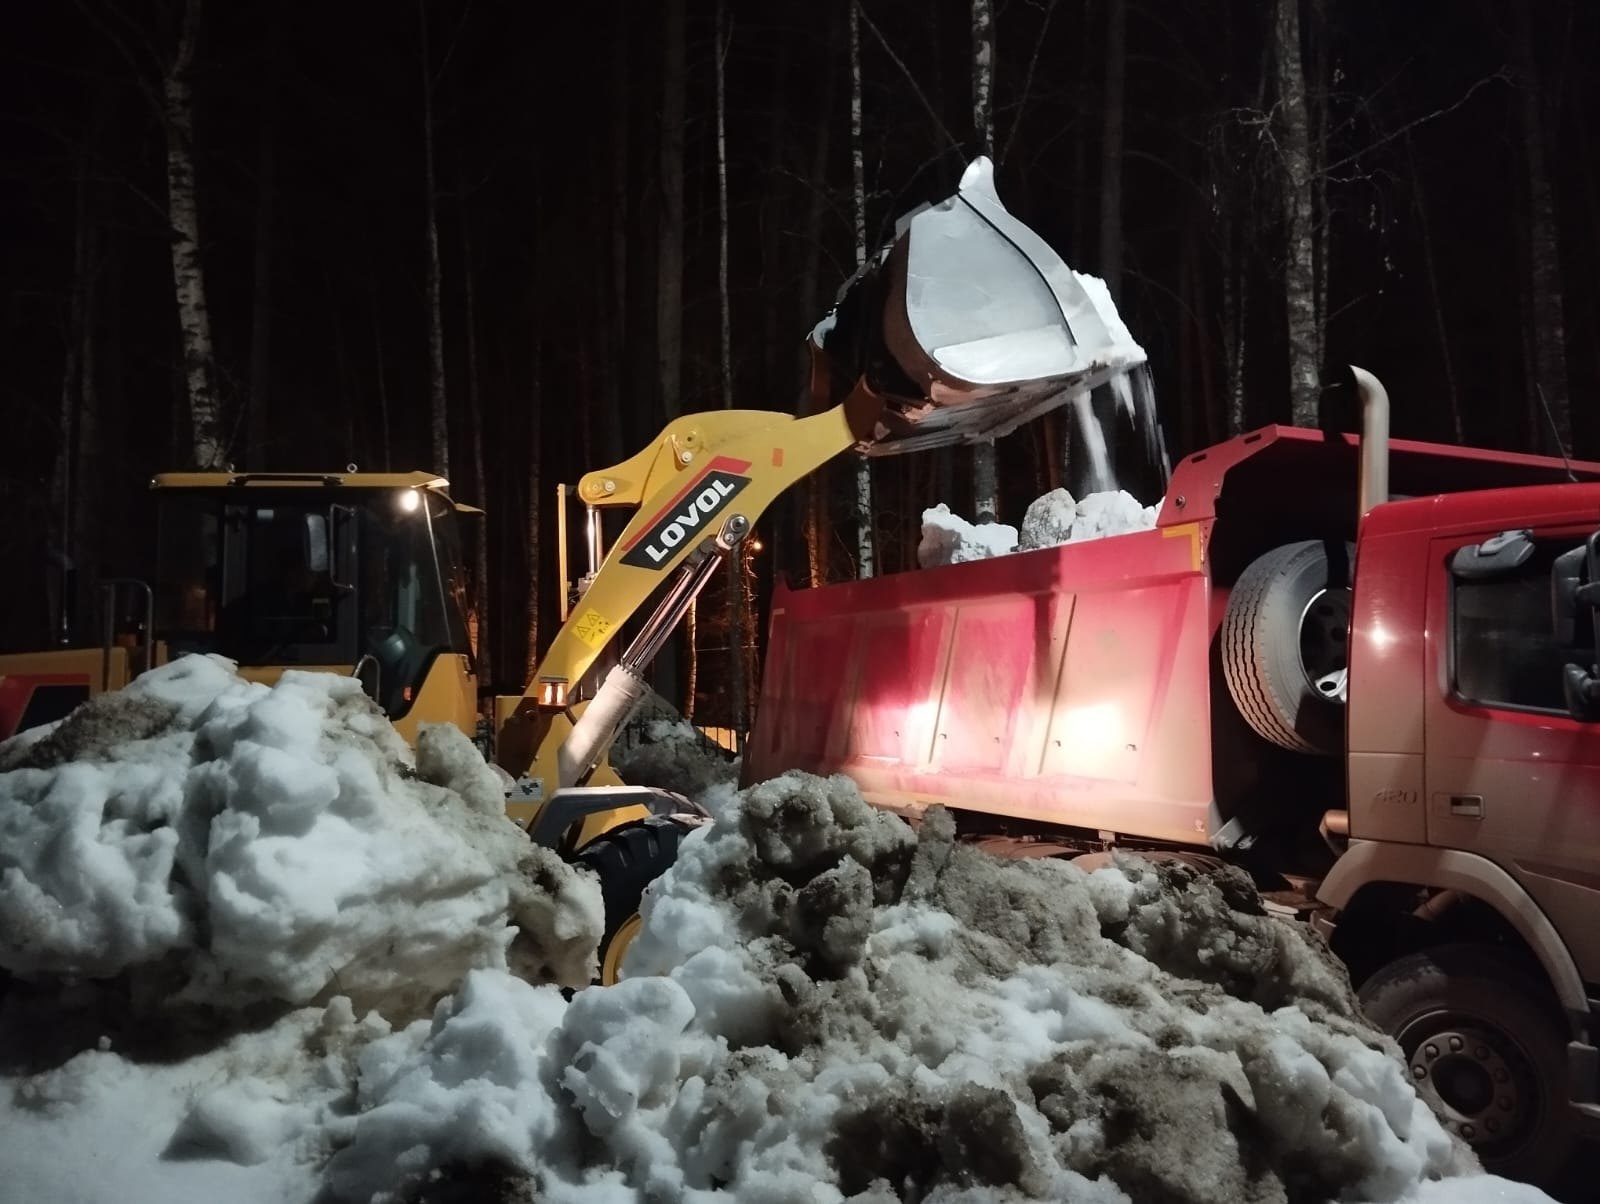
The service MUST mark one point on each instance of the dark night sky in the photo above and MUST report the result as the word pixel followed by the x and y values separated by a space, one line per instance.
pixel 528 105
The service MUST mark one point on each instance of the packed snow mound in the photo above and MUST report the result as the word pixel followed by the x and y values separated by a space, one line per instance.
pixel 1053 519
pixel 824 1004
pixel 947 538
pixel 672 754
pixel 244 843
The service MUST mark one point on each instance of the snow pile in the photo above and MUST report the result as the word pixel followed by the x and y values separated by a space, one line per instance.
pixel 827 1005
pixel 224 843
pixel 947 538
pixel 1053 519
pixel 672 754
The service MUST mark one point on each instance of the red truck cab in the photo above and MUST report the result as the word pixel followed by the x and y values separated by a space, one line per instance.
pixel 1377 707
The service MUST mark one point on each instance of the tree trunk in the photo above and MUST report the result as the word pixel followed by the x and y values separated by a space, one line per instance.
pixel 865 553
pixel 382 379
pixel 535 498
pixel 1235 311
pixel 64 479
pixel 1111 138
pixel 816 491
pixel 1550 413
pixel 615 442
pixel 669 282
pixel 188 274
pixel 1441 327
pixel 985 480
pixel 737 598
pixel 261 295
pixel 482 603
pixel 439 413
pixel 1300 295
pixel 1323 222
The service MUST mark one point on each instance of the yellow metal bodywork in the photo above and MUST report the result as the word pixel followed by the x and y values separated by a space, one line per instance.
pixel 300 480
pixel 771 451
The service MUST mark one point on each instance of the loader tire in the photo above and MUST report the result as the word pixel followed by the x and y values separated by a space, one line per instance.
pixel 1285 645
pixel 1485 1047
pixel 627 860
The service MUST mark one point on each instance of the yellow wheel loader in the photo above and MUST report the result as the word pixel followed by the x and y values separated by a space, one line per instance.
pixel 967 326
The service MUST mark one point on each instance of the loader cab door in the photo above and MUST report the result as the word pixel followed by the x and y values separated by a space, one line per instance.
pixel 412 585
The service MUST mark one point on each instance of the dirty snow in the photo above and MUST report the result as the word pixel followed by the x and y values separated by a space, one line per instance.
pixel 947 538
pixel 1055 518
pixel 823 1002
pixel 672 754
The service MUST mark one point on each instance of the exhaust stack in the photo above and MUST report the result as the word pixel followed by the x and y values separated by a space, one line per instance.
pixel 1374 482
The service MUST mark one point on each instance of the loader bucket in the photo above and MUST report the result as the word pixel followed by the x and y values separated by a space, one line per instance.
pixel 967 326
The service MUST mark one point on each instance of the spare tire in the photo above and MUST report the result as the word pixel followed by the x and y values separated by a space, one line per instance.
pixel 1285 644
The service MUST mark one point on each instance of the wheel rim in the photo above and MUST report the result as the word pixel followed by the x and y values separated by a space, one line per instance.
pixel 1480 1083
pixel 1325 643
pixel 611 963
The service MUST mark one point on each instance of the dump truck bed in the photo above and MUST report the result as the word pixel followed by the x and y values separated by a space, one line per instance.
pixel 1073 685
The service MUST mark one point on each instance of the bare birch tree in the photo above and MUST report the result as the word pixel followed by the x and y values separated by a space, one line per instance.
pixel 1300 292
pixel 985 481
pixel 188 274
pixel 865 552
pixel 439 413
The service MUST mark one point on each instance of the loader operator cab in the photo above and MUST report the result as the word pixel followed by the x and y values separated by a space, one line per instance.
pixel 358 573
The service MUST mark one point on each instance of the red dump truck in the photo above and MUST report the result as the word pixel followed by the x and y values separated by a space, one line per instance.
pixel 1363 670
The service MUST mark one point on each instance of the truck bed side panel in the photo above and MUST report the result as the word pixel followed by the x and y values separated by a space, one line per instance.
pixel 1067 685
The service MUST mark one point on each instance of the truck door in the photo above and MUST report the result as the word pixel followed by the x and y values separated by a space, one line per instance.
pixel 1510 774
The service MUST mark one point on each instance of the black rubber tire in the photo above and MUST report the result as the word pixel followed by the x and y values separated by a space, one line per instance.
pixel 627 859
pixel 1477 986
pixel 1261 648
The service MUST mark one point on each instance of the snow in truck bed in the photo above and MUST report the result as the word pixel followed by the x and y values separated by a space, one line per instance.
pixel 262 952
pixel 1053 519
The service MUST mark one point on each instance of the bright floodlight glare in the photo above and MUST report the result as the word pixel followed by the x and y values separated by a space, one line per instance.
pixel 409 500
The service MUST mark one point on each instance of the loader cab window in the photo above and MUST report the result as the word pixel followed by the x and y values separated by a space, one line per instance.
pixel 305 577
pixel 1506 651
pixel 252 576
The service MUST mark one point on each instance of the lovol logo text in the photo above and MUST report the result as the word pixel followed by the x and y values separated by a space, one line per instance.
pixel 690 515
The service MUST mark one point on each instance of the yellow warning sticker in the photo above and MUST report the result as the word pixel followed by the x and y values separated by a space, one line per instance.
pixel 593 628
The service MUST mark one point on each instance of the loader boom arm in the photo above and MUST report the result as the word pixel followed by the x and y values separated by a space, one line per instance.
pixel 695 491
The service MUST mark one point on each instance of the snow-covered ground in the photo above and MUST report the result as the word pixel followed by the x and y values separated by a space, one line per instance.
pixel 1055 518
pixel 197 875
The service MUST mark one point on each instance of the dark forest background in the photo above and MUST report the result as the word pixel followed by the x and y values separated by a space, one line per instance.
pixel 1272 187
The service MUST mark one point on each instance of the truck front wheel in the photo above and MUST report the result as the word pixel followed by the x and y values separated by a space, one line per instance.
pixel 1285 644
pixel 1484 1048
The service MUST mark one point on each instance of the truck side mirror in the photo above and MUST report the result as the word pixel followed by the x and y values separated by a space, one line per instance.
pixel 1499 554
pixel 1575 586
